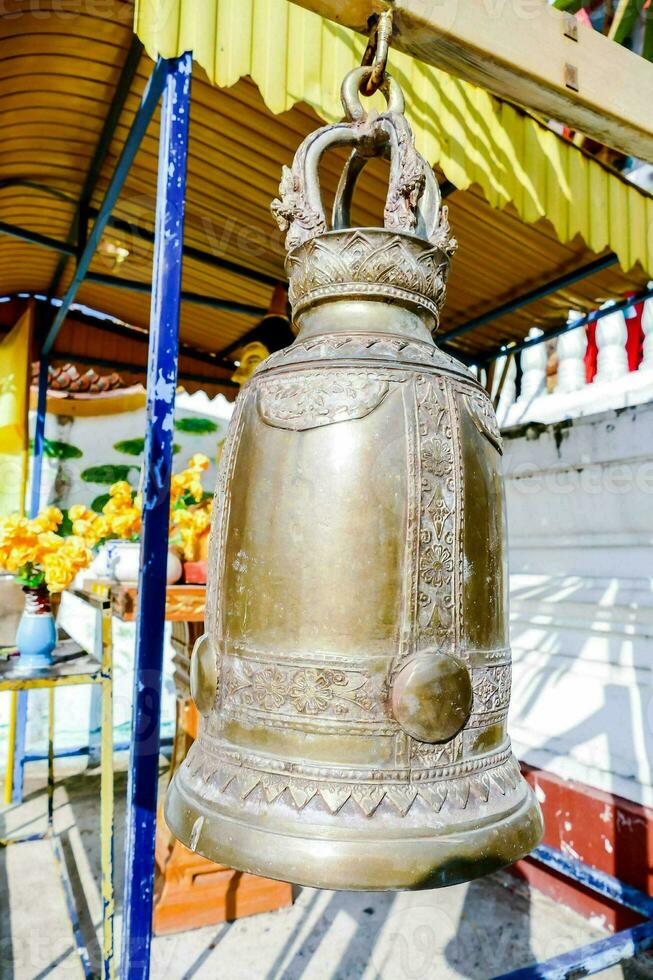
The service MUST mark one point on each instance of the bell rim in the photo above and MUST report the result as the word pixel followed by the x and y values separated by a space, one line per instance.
pixel 350 864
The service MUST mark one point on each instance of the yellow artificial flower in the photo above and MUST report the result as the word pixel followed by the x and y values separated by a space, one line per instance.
pixel 48 520
pixel 19 556
pixel 87 524
pixel 189 481
pixel 28 547
pixel 18 543
pixel 58 572
pixel 188 524
pixel 47 542
pixel 126 523
pixel 101 528
pixel 61 565
pixel 121 491
pixel 76 550
pixel 120 518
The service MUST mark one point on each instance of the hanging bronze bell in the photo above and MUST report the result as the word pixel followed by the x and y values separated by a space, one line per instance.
pixel 354 679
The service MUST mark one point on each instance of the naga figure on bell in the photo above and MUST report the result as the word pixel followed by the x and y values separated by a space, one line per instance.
pixel 354 678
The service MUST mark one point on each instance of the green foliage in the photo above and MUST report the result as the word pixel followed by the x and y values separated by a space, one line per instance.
pixel 196 425
pixel 571 6
pixel 30 576
pixel 98 503
pixel 188 500
pixel 107 473
pixel 66 527
pixel 647 47
pixel 134 447
pixel 625 20
pixel 58 450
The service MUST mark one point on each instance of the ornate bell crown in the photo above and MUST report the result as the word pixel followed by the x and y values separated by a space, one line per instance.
pixel 406 260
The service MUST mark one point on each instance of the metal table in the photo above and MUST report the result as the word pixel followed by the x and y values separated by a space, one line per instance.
pixel 72 665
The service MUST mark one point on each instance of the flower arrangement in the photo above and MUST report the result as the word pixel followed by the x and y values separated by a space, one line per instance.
pixel 37 555
pixel 190 507
pixel 190 512
pixel 120 517
pixel 45 559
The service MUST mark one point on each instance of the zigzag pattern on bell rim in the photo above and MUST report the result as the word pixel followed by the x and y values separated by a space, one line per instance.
pixel 206 773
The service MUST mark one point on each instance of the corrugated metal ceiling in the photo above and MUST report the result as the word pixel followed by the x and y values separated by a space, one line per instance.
pixel 57 78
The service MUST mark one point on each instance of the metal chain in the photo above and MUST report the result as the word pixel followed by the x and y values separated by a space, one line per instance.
pixel 376 52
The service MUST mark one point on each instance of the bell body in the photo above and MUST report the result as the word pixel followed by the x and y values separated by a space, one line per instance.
pixel 355 678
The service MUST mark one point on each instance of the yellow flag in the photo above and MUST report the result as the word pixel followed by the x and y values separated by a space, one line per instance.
pixel 14 406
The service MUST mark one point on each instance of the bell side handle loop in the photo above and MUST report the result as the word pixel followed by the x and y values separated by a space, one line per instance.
pixel 413 198
pixel 342 134
pixel 428 206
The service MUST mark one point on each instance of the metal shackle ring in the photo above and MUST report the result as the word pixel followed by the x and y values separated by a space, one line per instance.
pixel 354 84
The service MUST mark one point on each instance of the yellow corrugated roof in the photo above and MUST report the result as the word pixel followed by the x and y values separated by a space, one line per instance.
pixel 293 55
pixel 58 77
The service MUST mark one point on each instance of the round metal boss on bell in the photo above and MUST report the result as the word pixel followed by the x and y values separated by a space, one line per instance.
pixel 355 680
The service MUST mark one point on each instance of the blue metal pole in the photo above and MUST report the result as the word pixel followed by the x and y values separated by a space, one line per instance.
pixel 587 960
pixel 161 384
pixel 20 733
pixel 598 956
pixel 39 437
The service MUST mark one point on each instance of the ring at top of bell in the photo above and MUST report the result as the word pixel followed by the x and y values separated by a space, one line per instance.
pixel 406 260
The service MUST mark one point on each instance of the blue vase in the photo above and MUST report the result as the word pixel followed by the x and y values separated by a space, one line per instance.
pixel 36 637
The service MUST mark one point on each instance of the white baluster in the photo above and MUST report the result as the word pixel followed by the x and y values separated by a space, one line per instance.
pixel 571 351
pixel 611 336
pixel 533 364
pixel 647 327
pixel 508 390
pixel 497 374
pixel 479 372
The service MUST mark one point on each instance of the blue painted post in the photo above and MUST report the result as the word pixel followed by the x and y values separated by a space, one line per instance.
pixel 39 437
pixel 161 384
pixel 35 497
pixel 20 732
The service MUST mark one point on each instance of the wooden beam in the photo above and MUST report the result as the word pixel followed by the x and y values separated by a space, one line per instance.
pixel 525 51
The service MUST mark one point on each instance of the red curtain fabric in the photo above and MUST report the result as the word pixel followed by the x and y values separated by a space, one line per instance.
pixel 634 340
pixel 635 334
pixel 590 352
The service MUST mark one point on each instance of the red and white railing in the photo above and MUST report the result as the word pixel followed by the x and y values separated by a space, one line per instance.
pixel 605 365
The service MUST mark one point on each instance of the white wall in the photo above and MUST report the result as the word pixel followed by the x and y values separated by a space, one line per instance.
pixel 95 437
pixel 580 519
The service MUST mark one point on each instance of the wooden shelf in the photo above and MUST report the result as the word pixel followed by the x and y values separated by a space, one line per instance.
pixel 184 603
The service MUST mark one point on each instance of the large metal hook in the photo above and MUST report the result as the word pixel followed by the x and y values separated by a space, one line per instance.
pixel 376 52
